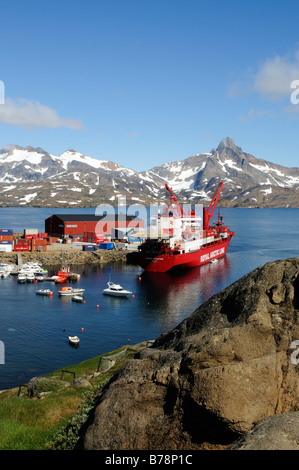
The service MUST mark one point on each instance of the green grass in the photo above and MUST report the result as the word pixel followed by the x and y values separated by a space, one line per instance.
pixel 53 421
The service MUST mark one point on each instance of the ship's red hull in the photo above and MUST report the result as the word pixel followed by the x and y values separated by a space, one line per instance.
pixel 163 262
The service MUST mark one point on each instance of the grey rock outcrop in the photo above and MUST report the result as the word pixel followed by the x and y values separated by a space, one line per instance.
pixel 280 432
pixel 208 381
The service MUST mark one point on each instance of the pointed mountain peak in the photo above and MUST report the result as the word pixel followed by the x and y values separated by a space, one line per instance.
pixel 227 142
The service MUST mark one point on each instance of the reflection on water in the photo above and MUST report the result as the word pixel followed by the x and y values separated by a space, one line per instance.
pixel 35 328
pixel 175 293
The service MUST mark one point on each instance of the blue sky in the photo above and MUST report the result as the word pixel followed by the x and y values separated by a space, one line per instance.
pixel 145 82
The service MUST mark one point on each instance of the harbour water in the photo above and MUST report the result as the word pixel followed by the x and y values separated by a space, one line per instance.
pixel 35 329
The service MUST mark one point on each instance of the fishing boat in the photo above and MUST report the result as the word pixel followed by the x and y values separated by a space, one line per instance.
pixel 116 290
pixel 183 239
pixel 66 291
pixel 65 274
pixel 44 292
pixel 74 340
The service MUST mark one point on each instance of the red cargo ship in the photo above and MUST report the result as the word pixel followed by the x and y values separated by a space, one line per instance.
pixel 184 240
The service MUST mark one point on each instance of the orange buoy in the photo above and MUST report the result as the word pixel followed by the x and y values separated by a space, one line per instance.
pixel 133 296
pixel 84 302
pixel 98 306
pixel 82 329
pixel 51 293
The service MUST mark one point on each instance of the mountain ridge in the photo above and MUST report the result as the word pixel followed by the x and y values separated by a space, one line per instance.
pixel 33 177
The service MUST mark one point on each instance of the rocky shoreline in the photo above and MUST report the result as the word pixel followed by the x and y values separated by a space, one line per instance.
pixel 209 381
pixel 69 257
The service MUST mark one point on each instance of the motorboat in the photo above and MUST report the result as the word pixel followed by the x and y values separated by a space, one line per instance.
pixel 22 278
pixel 74 340
pixel 5 272
pixel 6 269
pixel 71 291
pixel 30 277
pixel 77 298
pixel 32 267
pixel 40 277
pixel 44 292
pixel 116 290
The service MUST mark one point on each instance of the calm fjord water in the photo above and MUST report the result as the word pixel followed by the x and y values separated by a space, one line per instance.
pixel 35 329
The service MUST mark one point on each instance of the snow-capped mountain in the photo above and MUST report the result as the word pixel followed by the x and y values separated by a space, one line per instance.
pixel 33 177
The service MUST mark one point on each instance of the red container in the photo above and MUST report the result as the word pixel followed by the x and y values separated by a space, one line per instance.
pixel 22 242
pixel 31 237
pixel 21 248
pixel 38 242
pixel 39 248
pixel 6 238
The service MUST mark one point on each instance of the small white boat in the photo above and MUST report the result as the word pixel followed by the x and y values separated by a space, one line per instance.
pixel 30 277
pixel 4 273
pixel 44 292
pixel 22 278
pixel 77 298
pixel 74 340
pixel 6 269
pixel 71 291
pixel 116 290
pixel 39 277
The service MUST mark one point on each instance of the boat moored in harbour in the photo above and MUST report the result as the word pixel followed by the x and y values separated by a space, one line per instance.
pixel 69 291
pixel 116 290
pixel 44 292
pixel 184 240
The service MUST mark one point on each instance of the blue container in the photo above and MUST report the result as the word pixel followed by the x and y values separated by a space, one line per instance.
pixel 6 243
pixel 88 248
pixel 106 246
pixel 6 231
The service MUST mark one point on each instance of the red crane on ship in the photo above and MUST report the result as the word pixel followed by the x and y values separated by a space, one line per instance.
pixel 208 213
pixel 174 201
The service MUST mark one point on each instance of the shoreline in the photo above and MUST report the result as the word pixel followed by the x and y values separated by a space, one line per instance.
pixel 69 255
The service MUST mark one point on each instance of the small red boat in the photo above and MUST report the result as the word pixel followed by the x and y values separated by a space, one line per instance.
pixel 184 240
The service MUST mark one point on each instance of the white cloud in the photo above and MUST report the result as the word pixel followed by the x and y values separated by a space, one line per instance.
pixel 274 77
pixel 27 114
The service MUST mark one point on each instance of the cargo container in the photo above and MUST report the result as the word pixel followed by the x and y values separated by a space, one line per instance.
pixel 5 238
pixel 31 237
pixel 31 231
pixel 22 242
pixel 6 242
pixel 38 241
pixel 5 248
pixel 39 247
pixel 88 247
pixel 21 248
pixel 42 235
pixel 106 246
pixel 6 231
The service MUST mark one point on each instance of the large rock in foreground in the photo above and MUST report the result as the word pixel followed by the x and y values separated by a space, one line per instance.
pixel 208 381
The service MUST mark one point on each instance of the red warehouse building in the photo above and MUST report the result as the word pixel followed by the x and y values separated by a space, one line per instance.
pixel 76 225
